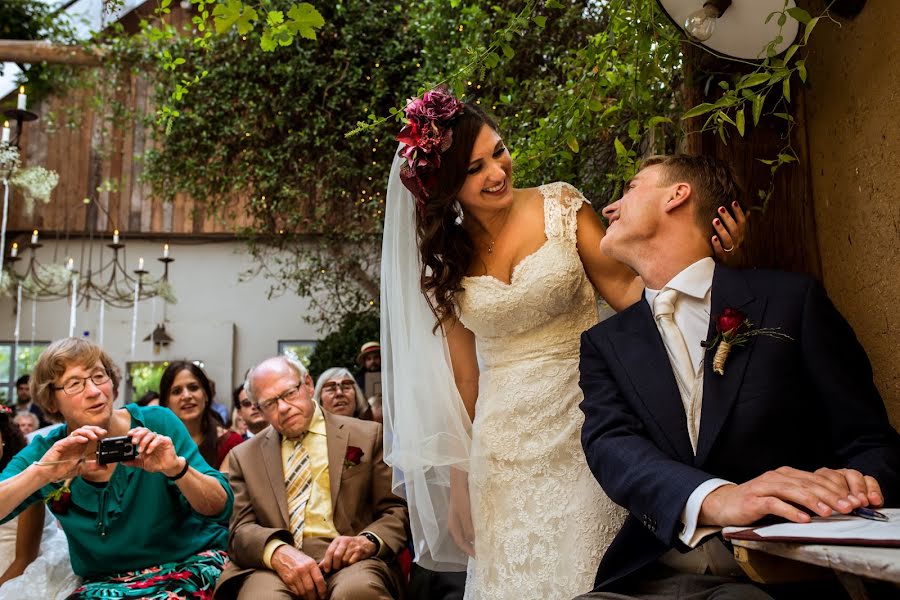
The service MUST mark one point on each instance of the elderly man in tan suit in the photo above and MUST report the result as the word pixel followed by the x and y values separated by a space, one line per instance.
pixel 314 516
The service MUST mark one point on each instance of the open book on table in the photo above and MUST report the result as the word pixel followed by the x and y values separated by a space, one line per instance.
pixel 845 530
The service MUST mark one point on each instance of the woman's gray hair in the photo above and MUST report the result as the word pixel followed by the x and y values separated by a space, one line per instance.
pixel 288 360
pixel 361 405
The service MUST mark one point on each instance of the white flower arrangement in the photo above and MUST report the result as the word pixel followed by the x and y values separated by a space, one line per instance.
pixel 165 291
pixel 54 279
pixel 35 183
pixel 9 159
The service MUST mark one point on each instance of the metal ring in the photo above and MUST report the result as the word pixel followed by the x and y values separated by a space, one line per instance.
pixel 728 249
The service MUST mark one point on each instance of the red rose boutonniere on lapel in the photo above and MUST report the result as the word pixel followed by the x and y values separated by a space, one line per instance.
pixel 353 456
pixel 734 329
pixel 60 499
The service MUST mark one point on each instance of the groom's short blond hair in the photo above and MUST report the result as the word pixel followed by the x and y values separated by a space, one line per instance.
pixel 713 182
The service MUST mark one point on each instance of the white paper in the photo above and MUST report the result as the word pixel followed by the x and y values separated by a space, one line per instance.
pixel 838 527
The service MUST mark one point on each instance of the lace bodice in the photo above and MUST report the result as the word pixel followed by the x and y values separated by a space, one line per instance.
pixel 541 520
pixel 553 299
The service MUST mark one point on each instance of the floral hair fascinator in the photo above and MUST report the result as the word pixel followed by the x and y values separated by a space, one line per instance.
pixel 426 135
pixel 4 409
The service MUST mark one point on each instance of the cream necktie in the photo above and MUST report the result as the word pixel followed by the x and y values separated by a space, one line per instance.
pixel 679 357
pixel 298 488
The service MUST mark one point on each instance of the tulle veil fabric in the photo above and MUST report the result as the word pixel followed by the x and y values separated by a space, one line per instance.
pixel 427 431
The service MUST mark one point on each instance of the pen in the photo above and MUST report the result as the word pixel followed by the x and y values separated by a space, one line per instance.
pixel 868 513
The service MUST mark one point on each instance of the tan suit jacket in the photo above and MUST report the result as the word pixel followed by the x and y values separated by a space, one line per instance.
pixel 361 497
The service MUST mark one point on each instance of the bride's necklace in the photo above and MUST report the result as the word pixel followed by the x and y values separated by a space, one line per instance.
pixel 491 241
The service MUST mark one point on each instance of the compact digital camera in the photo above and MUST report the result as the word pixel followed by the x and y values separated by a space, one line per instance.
pixel 115 449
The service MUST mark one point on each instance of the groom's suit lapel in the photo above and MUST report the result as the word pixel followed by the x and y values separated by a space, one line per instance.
pixel 641 352
pixel 729 290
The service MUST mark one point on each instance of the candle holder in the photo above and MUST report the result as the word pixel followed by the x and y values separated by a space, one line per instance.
pixel 20 116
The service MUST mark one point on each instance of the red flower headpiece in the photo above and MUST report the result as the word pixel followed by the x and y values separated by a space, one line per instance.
pixel 5 409
pixel 426 135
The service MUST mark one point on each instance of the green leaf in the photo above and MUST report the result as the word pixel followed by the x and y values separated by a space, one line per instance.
pixel 739 122
pixel 752 80
pixel 492 60
pixel 799 14
pixel 540 21
pixel 267 42
pixel 621 152
pixel 782 19
pixel 786 158
pixel 595 105
pixel 801 70
pixel 790 52
pixel 809 28
pixel 654 121
pixel 700 109
pixel 508 51
pixel 786 88
pixel 758 102
pixel 275 17
pixel 304 19
pixel 610 110
pixel 573 144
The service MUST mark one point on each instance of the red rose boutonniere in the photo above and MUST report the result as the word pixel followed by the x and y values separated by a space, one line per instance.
pixel 734 329
pixel 353 456
pixel 60 499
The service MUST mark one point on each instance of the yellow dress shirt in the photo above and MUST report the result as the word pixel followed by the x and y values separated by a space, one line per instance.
pixel 318 520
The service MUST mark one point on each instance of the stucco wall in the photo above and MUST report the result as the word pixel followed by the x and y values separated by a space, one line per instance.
pixel 853 107
pixel 228 324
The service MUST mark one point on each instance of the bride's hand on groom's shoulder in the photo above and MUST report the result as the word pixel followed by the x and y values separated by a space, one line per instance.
pixel 791 494
pixel 730 232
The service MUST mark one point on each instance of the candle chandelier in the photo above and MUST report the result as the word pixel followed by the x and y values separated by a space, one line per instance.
pixel 100 275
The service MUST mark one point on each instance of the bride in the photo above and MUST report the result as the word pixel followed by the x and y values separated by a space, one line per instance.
pixel 486 290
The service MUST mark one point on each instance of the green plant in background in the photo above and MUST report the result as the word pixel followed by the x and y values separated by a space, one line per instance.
pixel 340 348
pixel 144 377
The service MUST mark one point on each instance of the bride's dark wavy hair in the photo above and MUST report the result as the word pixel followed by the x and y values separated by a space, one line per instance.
pixel 446 248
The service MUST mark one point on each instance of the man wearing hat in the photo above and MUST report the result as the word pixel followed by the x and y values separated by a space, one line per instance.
pixel 369 359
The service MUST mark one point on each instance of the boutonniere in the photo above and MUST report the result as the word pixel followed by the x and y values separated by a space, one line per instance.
pixel 734 329
pixel 60 499
pixel 353 456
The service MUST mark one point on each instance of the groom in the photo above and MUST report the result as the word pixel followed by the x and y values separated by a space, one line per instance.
pixel 793 427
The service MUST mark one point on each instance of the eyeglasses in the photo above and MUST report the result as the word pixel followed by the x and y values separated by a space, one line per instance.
pixel 346 386
pixel 290 396
pixel 76 384
pixel 245 403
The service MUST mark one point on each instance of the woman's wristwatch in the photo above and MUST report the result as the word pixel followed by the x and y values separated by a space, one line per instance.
pixel 181 473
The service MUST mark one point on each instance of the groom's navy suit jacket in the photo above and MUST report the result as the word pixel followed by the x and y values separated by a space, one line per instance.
pixel 809 402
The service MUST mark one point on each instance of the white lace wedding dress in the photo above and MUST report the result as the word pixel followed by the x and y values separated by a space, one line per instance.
pixel 50 576
pixel 541 520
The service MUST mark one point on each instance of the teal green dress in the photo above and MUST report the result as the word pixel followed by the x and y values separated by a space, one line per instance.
pixel 138 521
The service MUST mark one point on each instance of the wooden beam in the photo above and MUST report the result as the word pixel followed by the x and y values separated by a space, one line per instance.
pixel 26 51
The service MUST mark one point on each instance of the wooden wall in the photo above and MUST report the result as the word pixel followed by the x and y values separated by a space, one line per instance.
pixel 87 158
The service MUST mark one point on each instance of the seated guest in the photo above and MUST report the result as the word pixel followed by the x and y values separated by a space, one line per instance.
pixel 337 392
pixel 34 555
pixel 332 526
pixel 789 423
pixel 155 523
pixel 238 425
pixel 149 398
pixel 186 390
pixel 24 403
pixel 27 422
pixel 255 421
pixel 375 406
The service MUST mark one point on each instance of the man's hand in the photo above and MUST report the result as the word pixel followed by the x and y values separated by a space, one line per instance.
pixel 299 572
pixel 785 492
pixel 345 550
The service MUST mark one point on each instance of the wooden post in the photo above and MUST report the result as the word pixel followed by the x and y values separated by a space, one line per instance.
pixel 26 51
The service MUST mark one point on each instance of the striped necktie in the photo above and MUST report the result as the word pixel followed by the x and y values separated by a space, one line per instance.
pixel 298 485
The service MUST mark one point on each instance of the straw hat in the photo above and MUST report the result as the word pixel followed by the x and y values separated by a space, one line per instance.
pixel 367 348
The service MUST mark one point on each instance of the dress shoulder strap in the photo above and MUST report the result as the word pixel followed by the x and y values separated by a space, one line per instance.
pixel 561 204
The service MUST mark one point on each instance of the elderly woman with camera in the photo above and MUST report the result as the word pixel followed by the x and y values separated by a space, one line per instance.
pixel 144 514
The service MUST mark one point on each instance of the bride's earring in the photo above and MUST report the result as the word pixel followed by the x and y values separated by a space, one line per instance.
pixel 459 212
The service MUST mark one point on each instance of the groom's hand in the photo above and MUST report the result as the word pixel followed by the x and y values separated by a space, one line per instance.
pixel 786 492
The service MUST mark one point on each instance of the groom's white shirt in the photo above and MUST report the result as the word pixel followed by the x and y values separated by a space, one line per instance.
pixel 692 313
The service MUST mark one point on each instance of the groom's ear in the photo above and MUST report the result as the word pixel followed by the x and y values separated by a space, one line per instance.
pixel 679 195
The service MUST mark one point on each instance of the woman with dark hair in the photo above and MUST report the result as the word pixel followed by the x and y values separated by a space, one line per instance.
pixel 153 526
pixel 496 284
pixel 186 390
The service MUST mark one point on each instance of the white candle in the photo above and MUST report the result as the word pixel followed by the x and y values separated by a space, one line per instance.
pixel 34 236
pixel 4 137
pixel 22 98
pixel 115 236
pixel 70 264
pixel 74 303
pixel 15 250
pixel 141 264
pixel 165 251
